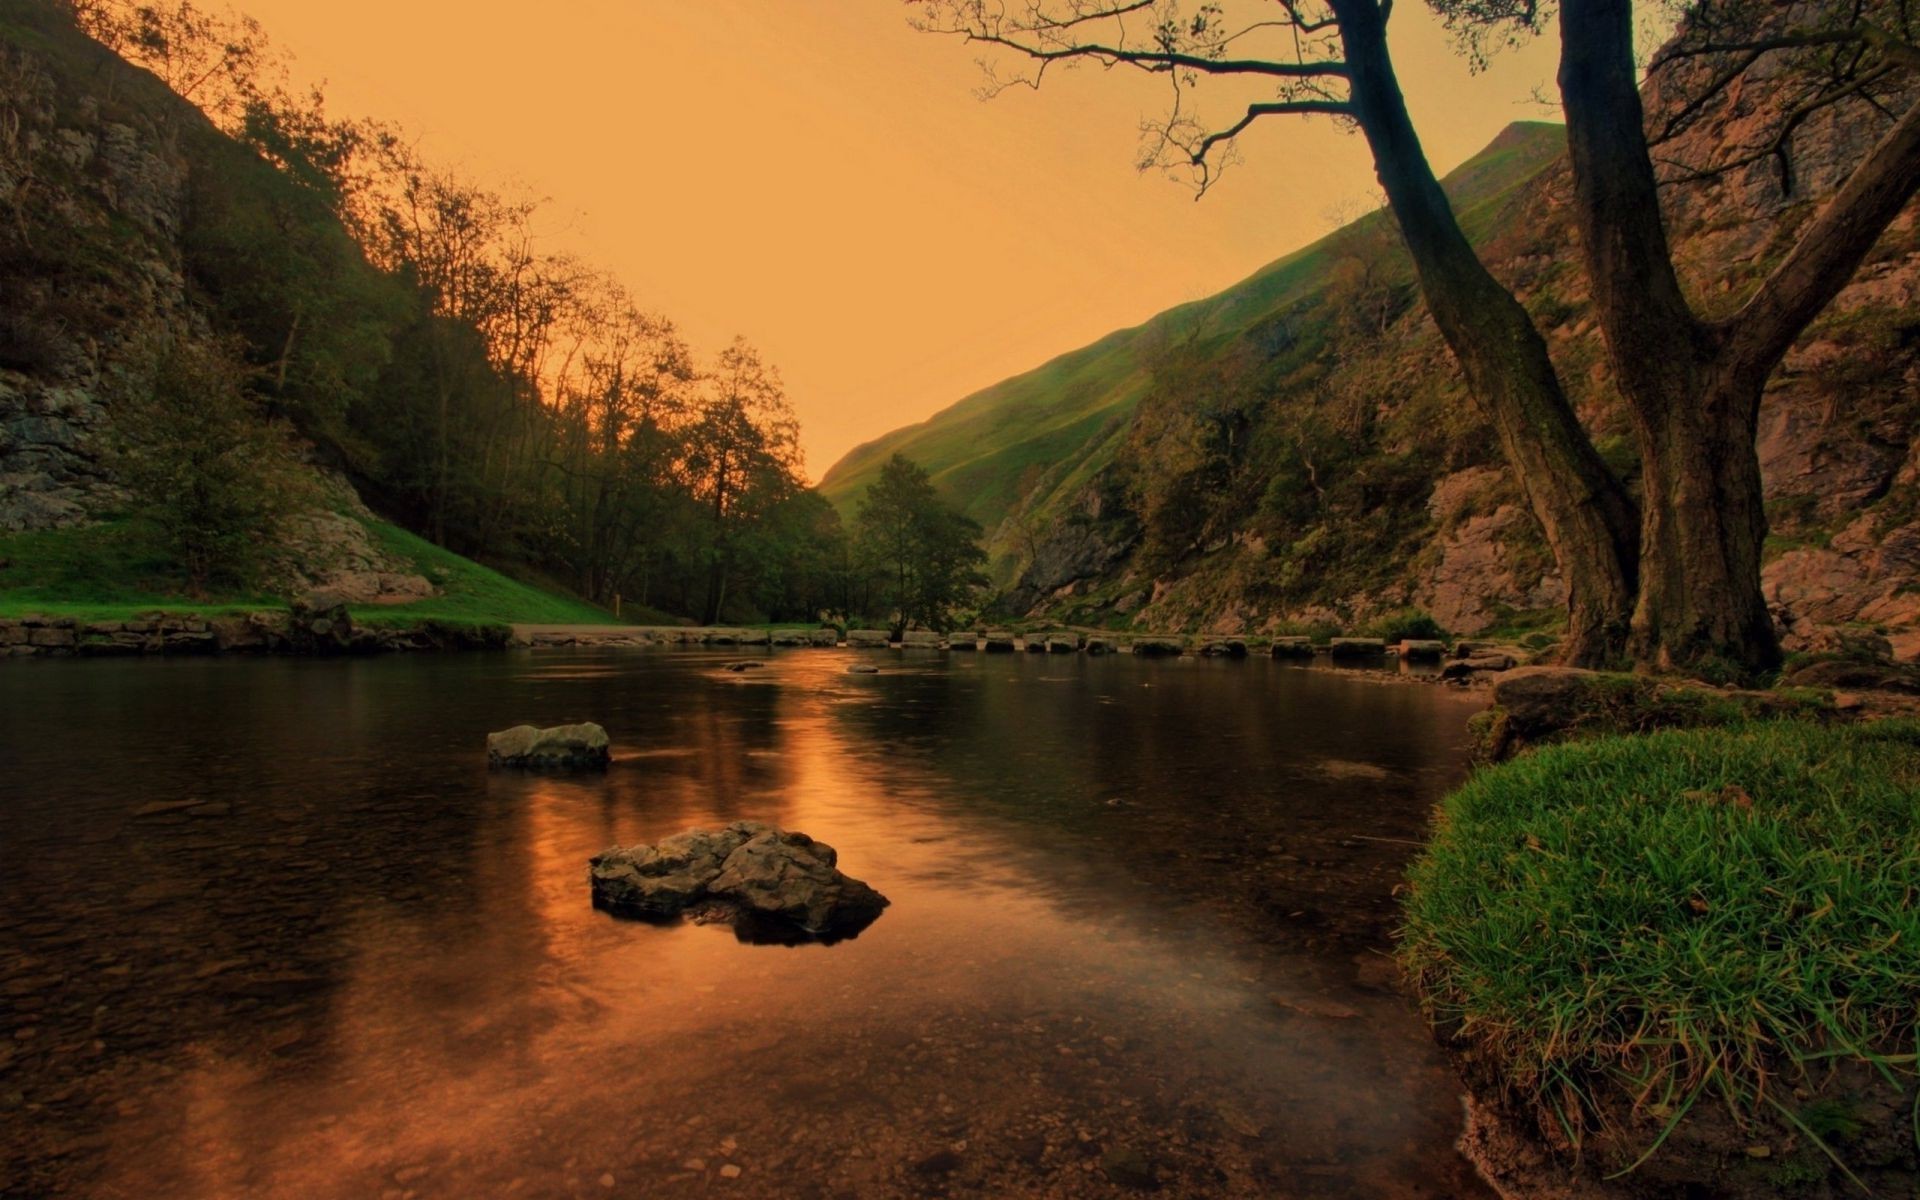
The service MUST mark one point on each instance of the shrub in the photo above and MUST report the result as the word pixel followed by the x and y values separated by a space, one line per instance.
pixel 1629 924
pixel 200 460
pixel 1407 625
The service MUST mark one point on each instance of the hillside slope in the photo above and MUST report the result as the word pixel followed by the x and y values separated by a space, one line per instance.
pixel 1300 451
pixel 1036 435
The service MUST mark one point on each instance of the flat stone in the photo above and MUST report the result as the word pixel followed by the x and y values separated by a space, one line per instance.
pixel 562 747
pixel 1354 647
pixel 1152 647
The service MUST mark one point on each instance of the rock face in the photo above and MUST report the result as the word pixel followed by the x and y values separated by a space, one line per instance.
pixel 561 748
pixel 770 884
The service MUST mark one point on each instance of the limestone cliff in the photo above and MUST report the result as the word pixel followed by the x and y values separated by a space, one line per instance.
pixel 105 175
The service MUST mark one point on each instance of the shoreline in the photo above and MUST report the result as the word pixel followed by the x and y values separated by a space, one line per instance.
pixel 304 633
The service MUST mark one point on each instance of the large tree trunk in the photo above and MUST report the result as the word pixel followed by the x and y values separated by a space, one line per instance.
pixel 1694 388
pixel 1704 524
pixel 1588 518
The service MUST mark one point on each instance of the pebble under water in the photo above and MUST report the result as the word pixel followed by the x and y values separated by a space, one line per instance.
pixel 271 928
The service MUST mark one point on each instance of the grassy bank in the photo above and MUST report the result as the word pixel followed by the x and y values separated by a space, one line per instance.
pixel 1639 925
pixel 116 570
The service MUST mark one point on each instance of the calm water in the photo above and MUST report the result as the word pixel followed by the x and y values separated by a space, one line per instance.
pixel 270 928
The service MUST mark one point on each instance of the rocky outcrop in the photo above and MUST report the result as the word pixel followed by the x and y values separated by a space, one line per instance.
pixel 560 748
pixel 1534 706
pixel 770 884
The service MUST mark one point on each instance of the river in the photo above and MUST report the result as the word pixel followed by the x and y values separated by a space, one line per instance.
pixel 270 928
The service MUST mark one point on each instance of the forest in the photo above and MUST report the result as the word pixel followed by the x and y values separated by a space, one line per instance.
pixel 409 328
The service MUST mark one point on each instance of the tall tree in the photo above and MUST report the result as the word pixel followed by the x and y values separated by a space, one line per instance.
pixel 743 449
pixel 926 555
pixel 1332 57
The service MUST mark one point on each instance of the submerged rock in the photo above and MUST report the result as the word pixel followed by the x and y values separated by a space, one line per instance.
pixel 561 748
pixel 770 884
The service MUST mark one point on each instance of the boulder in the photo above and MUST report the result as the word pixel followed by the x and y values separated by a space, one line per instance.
pixel 998 642
pixel 867 639
pixel 789 637
pixel 964 641
pixel 920 639
pixel 826 635
pixel 1423 649
pixel 560 748
pixel 770 884
pixel 1225 648
pixel 1099 645
pixel 745 664
pixel 1858 675
pixel 1538 701
pixel 1062 643
pixel 1157 647
pixel 1034 644
pixel 1353 647
pixel 1468 668
pixel 863 669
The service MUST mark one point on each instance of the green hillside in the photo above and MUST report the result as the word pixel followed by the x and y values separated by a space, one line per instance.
pixel 1041 434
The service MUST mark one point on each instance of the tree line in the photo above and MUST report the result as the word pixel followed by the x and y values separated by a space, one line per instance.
pixel 507 401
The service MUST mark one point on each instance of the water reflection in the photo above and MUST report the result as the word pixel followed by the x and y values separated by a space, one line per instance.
pixel 289 937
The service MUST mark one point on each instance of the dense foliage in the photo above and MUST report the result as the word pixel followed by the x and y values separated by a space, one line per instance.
pixel 1703 916
pixel 922 557
pixel 190 446
pixel 507 402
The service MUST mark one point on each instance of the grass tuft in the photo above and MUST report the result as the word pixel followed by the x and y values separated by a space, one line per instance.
pixel 1633 923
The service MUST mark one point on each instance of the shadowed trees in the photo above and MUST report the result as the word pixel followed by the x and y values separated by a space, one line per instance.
pixel 1674 579
pixel 509 402
pixel 924 557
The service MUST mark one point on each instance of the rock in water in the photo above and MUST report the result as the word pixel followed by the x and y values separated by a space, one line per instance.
pixel 790 879
pixel 771 885
pixel 561 748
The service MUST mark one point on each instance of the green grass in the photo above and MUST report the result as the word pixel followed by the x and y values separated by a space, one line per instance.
pixel 117 569
pixel 473 594
pixel 1652 919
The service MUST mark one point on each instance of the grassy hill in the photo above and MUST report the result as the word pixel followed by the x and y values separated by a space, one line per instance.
pixel 116 570
pixel 1044 433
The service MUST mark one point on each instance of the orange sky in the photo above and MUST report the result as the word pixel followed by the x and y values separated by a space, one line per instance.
pixel 818 177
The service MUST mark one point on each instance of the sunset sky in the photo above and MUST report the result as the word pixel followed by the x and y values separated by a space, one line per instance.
pixel 822 179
